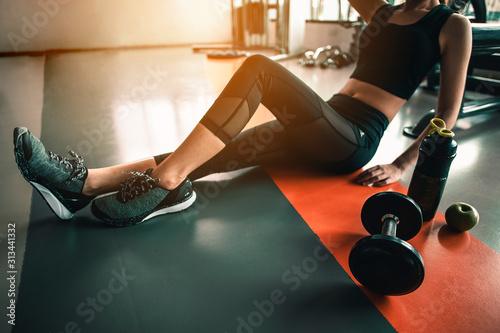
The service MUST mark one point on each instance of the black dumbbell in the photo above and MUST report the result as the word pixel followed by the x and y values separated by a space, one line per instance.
pixel 308 59
pixel 384 262
pixel 338 60
pixel 331 55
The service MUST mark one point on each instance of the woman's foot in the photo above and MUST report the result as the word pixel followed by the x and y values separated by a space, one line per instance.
pixel 140 199
pixel 58 179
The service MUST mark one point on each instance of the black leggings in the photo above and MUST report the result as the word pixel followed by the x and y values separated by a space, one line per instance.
pixel 341 134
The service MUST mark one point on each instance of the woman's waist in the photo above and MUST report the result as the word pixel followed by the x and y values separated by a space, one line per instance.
pixel 362 115
pixel 383 101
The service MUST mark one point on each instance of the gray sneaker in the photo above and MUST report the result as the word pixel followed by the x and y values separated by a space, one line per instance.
pixel 140 199
pixel 58 179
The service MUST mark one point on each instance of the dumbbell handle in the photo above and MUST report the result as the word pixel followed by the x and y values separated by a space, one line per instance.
pixel 390 225
pixel 320 50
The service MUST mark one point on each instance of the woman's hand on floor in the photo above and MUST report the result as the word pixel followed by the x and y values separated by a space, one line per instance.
pixel 380 175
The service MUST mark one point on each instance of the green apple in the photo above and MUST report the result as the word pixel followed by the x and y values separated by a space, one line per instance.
pixel 461 216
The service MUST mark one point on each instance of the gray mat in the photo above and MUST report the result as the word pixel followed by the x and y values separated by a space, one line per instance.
pixel 240 260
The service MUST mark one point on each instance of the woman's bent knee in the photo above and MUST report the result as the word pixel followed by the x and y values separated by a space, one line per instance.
pixel 257 61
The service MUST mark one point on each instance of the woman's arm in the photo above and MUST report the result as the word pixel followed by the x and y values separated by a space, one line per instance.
pixel 366 8
pixel 456 44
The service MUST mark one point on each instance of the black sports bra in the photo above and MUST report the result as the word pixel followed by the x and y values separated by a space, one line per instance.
pixel 396 58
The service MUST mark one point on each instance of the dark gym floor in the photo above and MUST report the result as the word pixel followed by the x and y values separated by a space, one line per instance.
pixel 262 250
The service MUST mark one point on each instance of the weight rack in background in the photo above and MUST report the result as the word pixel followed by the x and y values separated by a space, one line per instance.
pixel 274 24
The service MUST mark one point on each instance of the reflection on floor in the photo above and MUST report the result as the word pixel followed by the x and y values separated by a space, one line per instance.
pixel 118 106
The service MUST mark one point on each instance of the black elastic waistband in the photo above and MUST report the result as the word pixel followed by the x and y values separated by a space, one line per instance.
pixel 364 116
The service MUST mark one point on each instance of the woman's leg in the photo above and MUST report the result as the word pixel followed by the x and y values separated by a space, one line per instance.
pixel 305 124
pixel 310 123
pixel 105 180
pixel 196 149
pixel 265 145
pixel 306 128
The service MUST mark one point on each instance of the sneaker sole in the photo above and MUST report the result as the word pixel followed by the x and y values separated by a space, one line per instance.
pixel 129 222
pixel 172 209
pixel 55 205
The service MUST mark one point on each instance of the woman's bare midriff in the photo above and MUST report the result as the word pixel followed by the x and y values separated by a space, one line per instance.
pixel 380 99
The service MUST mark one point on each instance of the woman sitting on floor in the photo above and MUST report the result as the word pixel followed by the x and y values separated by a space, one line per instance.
pixel 400 45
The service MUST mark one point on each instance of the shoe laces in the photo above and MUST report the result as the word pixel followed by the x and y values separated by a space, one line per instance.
pixel 75 165
pixel 137 185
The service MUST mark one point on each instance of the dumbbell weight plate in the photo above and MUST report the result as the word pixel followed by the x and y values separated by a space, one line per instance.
pixel 400 205
pixel 386 265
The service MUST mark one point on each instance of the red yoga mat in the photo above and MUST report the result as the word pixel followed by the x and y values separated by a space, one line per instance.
pixel 461 289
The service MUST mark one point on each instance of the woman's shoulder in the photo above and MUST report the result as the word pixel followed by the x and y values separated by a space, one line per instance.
pixel 457 25
pixel 456 34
